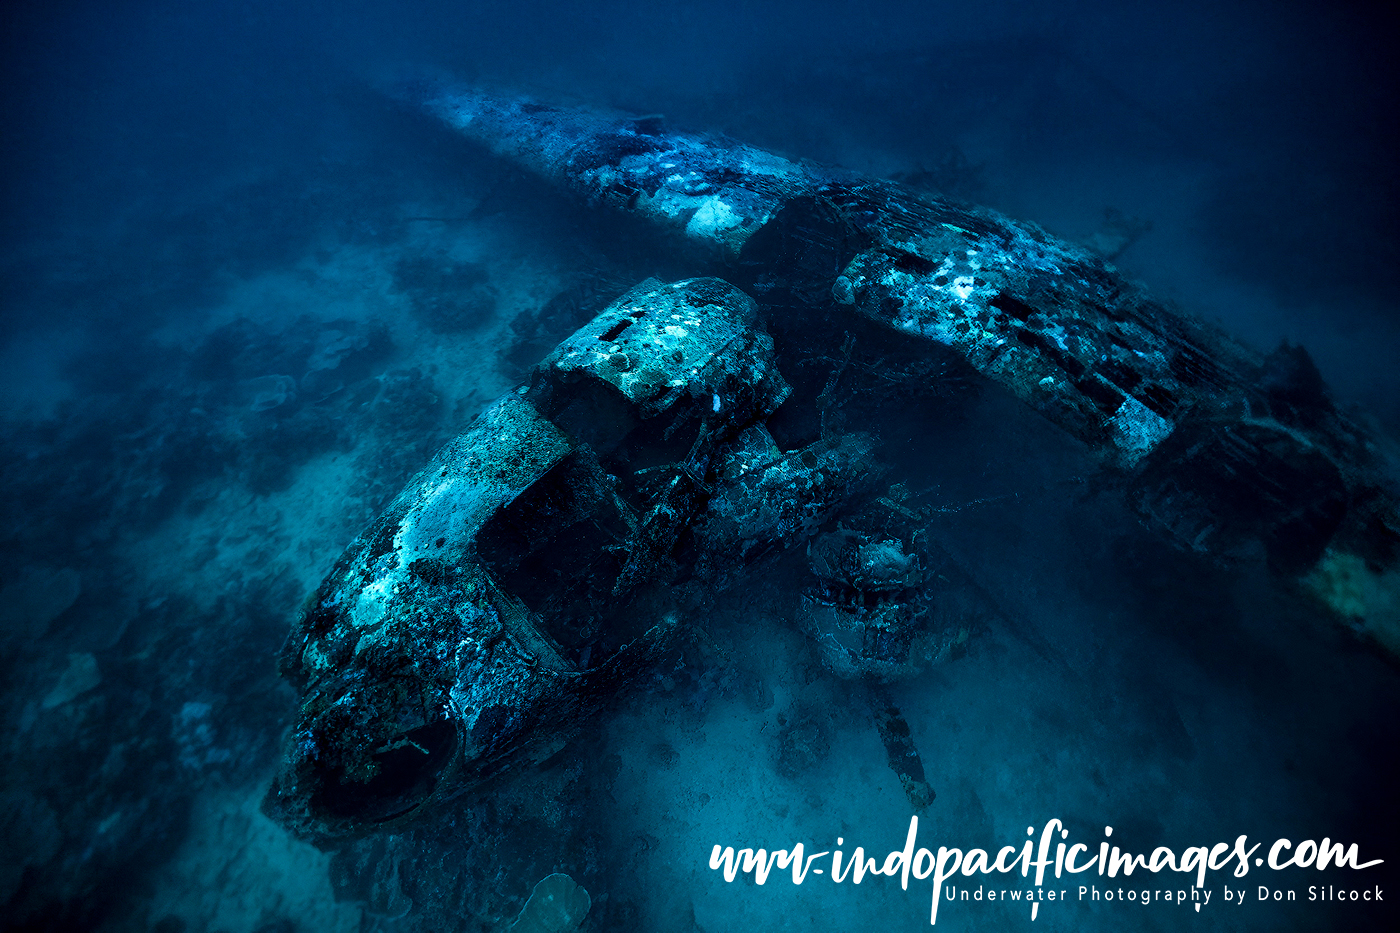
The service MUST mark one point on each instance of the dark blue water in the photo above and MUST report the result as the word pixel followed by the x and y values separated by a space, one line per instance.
pixel 243 297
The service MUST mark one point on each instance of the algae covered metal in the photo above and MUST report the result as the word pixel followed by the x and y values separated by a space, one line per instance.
pixel 519 580
pixel 1222 450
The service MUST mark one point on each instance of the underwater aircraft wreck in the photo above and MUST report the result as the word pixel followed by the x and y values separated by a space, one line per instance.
pixel 544 559
pixel 530 571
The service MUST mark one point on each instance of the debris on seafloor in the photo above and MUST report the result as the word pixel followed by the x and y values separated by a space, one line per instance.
pixel 558 904
pixel 1116 235
pixel 903 756
pixel 865 609
pixel 80 676
pixel 269 392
